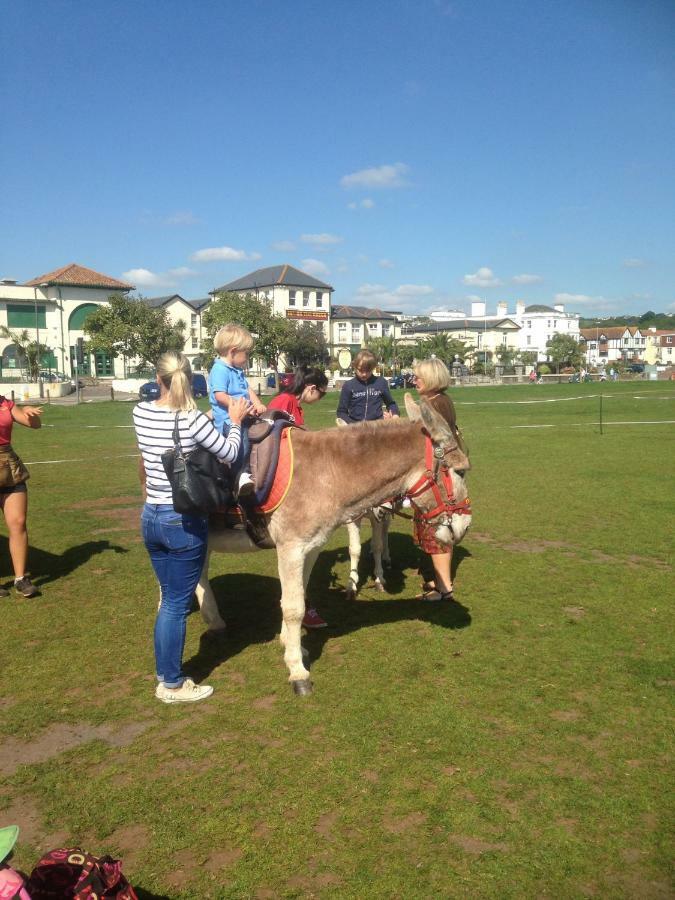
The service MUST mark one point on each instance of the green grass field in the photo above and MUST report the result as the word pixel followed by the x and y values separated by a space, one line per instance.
pixel 516 744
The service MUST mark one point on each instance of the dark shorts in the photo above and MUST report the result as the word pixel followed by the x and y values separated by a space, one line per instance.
pixel 14 489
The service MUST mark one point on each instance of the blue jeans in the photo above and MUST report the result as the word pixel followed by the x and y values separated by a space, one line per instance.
pixel 177 547
pixel 242 462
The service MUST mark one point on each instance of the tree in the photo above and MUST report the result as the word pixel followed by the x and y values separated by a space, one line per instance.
pixel 129 328
pixel 564 350
pixel 528 357
pixel 306 345
pixel 443 347
pixel 273 334
pixel 384 349
pixel 505 355
pixel 29 353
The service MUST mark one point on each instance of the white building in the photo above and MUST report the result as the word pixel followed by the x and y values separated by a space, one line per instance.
pixel 290 293
pixel 619 342
pixel 538 323
pixel 353 326
pixel 189 312
pixel 52 309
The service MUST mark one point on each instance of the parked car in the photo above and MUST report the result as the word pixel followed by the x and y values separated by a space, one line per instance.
pixel 149 391
pixel 637 368
pixel 285 380
pixel 199 386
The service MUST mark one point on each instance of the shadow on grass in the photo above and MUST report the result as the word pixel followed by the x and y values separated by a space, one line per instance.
pixel 48 566
pixel 146 895
pixel 250 605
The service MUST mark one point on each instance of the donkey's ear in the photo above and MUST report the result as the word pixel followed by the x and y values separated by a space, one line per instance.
pixel 412 408
pixel 435 424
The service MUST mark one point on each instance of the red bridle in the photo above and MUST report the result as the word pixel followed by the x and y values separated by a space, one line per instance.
pixel 435 466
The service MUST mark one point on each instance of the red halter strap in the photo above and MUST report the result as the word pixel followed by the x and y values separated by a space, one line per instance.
pixel 428 482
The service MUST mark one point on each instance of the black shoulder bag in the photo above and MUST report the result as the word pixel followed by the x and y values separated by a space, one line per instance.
pixel 199 482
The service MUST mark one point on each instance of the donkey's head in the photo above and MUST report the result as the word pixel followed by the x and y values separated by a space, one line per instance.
pixel 441 495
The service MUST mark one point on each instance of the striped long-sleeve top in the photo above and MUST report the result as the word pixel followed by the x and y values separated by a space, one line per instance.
pixel 154 434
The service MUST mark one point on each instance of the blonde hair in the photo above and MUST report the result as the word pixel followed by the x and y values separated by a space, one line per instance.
pixel 176 375
pixel 365 359
pixel 434 372
pixel 232 337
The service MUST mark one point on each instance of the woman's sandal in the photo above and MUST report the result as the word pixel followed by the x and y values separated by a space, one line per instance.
pixel 431 595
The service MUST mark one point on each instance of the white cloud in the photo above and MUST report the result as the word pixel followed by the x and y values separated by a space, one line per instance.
pixel 182 217
pixel 634 262
pixel 413 290
pixel 387 176
pixel 386 264
pixel 147 279
pixel 321 240
pixel 366 203
pixel 229 254
pixel 525 278
pixel 580 299
pixel 483 277
pixel 315 267
pixel 368 289
pixel 283 246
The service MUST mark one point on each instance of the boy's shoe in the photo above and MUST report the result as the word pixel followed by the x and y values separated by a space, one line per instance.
pixel 313 620
pixel 26 587
pixel 245 487
pixel 188 692
pixel 4 592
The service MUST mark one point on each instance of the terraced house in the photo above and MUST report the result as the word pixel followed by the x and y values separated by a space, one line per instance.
pixel 619 343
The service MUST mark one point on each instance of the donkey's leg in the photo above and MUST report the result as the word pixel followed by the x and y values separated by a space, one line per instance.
pixel 354 532
pixel 207 600
pixel 377 544
pixel 386 556
pixel 291 574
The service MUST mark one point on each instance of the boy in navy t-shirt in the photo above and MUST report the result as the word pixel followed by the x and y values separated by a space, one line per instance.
pixel 362 398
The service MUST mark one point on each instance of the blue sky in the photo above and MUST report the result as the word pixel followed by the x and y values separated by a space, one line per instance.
pixel 413 154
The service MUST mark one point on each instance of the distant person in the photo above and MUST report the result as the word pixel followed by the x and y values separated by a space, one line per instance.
pixel 362 398
pixel 176 542
pixel 532 376
pixel 309 385
pixel 14 493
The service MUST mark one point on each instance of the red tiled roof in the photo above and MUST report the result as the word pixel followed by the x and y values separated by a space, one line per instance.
pixel 616 331
pixel 79 276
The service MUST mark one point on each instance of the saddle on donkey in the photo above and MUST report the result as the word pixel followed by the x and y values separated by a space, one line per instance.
pixel 271 464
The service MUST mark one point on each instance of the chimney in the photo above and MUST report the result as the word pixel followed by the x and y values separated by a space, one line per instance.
pixel 502 309
pixel 520 307
pixel 559 307
pixel 477 308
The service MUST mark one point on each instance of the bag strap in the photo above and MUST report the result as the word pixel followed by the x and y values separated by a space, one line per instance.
pixel 176 437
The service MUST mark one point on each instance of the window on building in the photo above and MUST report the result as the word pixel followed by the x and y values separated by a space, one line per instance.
pixel 342 332
pixel 195 343
pixel 305 298
pixel 529 341
pixel 479 341
pixel 291 298
pixel 386 329
pixel 669 339
pixel 319 298
pixel 529 323
pixel 24 316
pixel 555 323
pixel 548 323
pixel 356 334
pixel 372 327
pixel 625 342
pixel 193 319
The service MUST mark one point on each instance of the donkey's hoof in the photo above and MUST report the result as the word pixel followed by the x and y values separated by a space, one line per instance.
pixel 380 587
pixel 302 688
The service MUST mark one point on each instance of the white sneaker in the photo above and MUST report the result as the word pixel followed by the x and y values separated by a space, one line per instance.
pixel 188 692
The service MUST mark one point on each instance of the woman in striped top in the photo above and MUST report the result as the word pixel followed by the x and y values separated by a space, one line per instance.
pixel 176 542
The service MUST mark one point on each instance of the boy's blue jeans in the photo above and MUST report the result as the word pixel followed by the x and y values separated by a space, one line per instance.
pixel 177 547
pixel 242 463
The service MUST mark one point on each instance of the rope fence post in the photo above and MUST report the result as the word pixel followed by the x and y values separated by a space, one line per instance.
pixel 600 412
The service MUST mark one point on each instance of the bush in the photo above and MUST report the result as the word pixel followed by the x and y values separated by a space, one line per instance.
pixel 544 369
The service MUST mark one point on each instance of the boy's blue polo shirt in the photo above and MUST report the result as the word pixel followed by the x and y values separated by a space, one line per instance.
pixel 230 380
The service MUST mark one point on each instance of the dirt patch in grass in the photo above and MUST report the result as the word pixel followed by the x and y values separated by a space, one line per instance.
pixel 102 503
pixel 565 715
pixel 399 826
pixel 131 842
pixel 25 813
pixel 475 846
pixel 61 737
pixel 575 612
pixel 265 702
pixel 222 858
pixel 570 550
